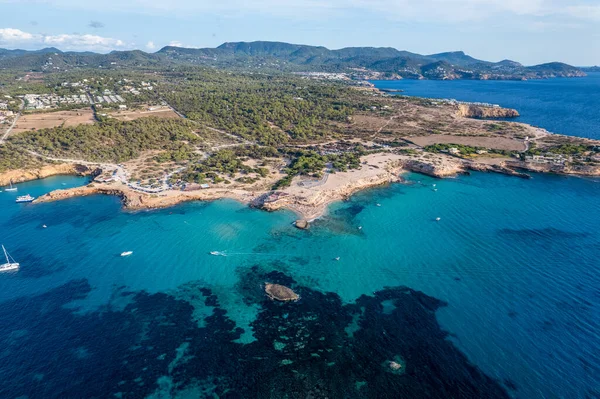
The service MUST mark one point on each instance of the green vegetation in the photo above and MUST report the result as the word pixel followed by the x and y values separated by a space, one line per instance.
pixel 110 140
pixel 464 150
pixel 12 158
pixel 310 163
pixel 270 110
pixel 564 149
pixel 225 162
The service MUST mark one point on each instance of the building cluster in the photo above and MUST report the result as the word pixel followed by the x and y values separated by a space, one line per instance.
pixel 324 75
pixel 554 159
pixel 109 98
pixel 6 116
pixel 130 87
pixel 49 101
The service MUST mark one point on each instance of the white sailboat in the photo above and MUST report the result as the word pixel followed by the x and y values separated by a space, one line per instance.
pixel 11 188
pixel 8 265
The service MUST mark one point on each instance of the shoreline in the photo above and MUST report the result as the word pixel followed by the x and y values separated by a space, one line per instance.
pixel 49 170
pixel 308 203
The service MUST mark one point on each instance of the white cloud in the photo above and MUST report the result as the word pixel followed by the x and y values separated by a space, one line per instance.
pixel 591 12
pixel 11 37
pixel 176 43
pixel 8 35
pixel 150 45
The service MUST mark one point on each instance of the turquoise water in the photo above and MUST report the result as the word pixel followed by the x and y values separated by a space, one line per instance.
pixel 566 106
pixel 515 261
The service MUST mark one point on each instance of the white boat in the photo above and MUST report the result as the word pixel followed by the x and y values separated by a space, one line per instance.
pixel 8 265
pixel 11 188
pixel 217 253
pixel 126 253
pixel 438 219
pixel 25 198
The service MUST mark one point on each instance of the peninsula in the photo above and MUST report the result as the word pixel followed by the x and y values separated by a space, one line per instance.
pixel 271 141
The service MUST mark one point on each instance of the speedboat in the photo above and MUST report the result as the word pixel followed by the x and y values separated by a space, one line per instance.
pixel 217 253
pixel 10 262
pixel 126 253
pixel 438 219
pixel 25 198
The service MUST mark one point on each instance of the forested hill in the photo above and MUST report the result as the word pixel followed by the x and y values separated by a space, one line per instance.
pixel 362 62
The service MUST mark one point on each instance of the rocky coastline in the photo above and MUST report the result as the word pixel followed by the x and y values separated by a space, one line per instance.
pixel 312 203
pixel 23 175
pixel 484 112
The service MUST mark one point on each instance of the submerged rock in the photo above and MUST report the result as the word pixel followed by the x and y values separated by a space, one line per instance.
pixel 302 224
pixel 395 366
pixel 280 292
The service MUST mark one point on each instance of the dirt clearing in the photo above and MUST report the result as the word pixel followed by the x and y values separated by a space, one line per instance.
pixel 45 120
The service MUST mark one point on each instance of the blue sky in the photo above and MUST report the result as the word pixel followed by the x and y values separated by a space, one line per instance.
pixel 528 31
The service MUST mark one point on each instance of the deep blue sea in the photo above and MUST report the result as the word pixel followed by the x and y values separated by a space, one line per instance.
pixel 500 298
pixel 568 106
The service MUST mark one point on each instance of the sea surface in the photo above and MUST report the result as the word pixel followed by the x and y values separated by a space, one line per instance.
pixel 564 105
pixel 499 298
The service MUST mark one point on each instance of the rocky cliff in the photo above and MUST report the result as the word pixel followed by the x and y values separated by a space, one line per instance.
pixel 21 175
pixel 482 112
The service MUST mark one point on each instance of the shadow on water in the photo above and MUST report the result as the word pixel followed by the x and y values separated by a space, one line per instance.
pixel 152 344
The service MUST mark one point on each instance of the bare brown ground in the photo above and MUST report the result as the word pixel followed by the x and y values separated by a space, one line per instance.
pixel 130 115
pixel 45 120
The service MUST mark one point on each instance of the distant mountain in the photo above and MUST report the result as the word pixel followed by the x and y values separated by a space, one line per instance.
pixel 360 62
pixel 590 69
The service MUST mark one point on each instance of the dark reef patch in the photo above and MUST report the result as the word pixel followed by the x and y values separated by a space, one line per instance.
pixel 301 350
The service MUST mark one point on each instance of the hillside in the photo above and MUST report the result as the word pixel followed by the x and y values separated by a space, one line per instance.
pixel 362 62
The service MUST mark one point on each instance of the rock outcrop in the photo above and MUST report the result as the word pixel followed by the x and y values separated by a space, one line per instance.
pixel 561 169
pixel 435 166
pixel 482 112
pixel 280 293
pixel 442 166
pixel 302 224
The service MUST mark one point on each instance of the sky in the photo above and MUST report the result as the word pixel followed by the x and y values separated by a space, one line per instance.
pixel 528 31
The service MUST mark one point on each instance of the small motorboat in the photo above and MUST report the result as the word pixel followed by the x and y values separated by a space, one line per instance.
pixel 360 227
pixel 217 253
pixel 44 226
pixel 126 253
pixel 438 219
pixel 337 258
pixel 378 204
pixel 435 189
